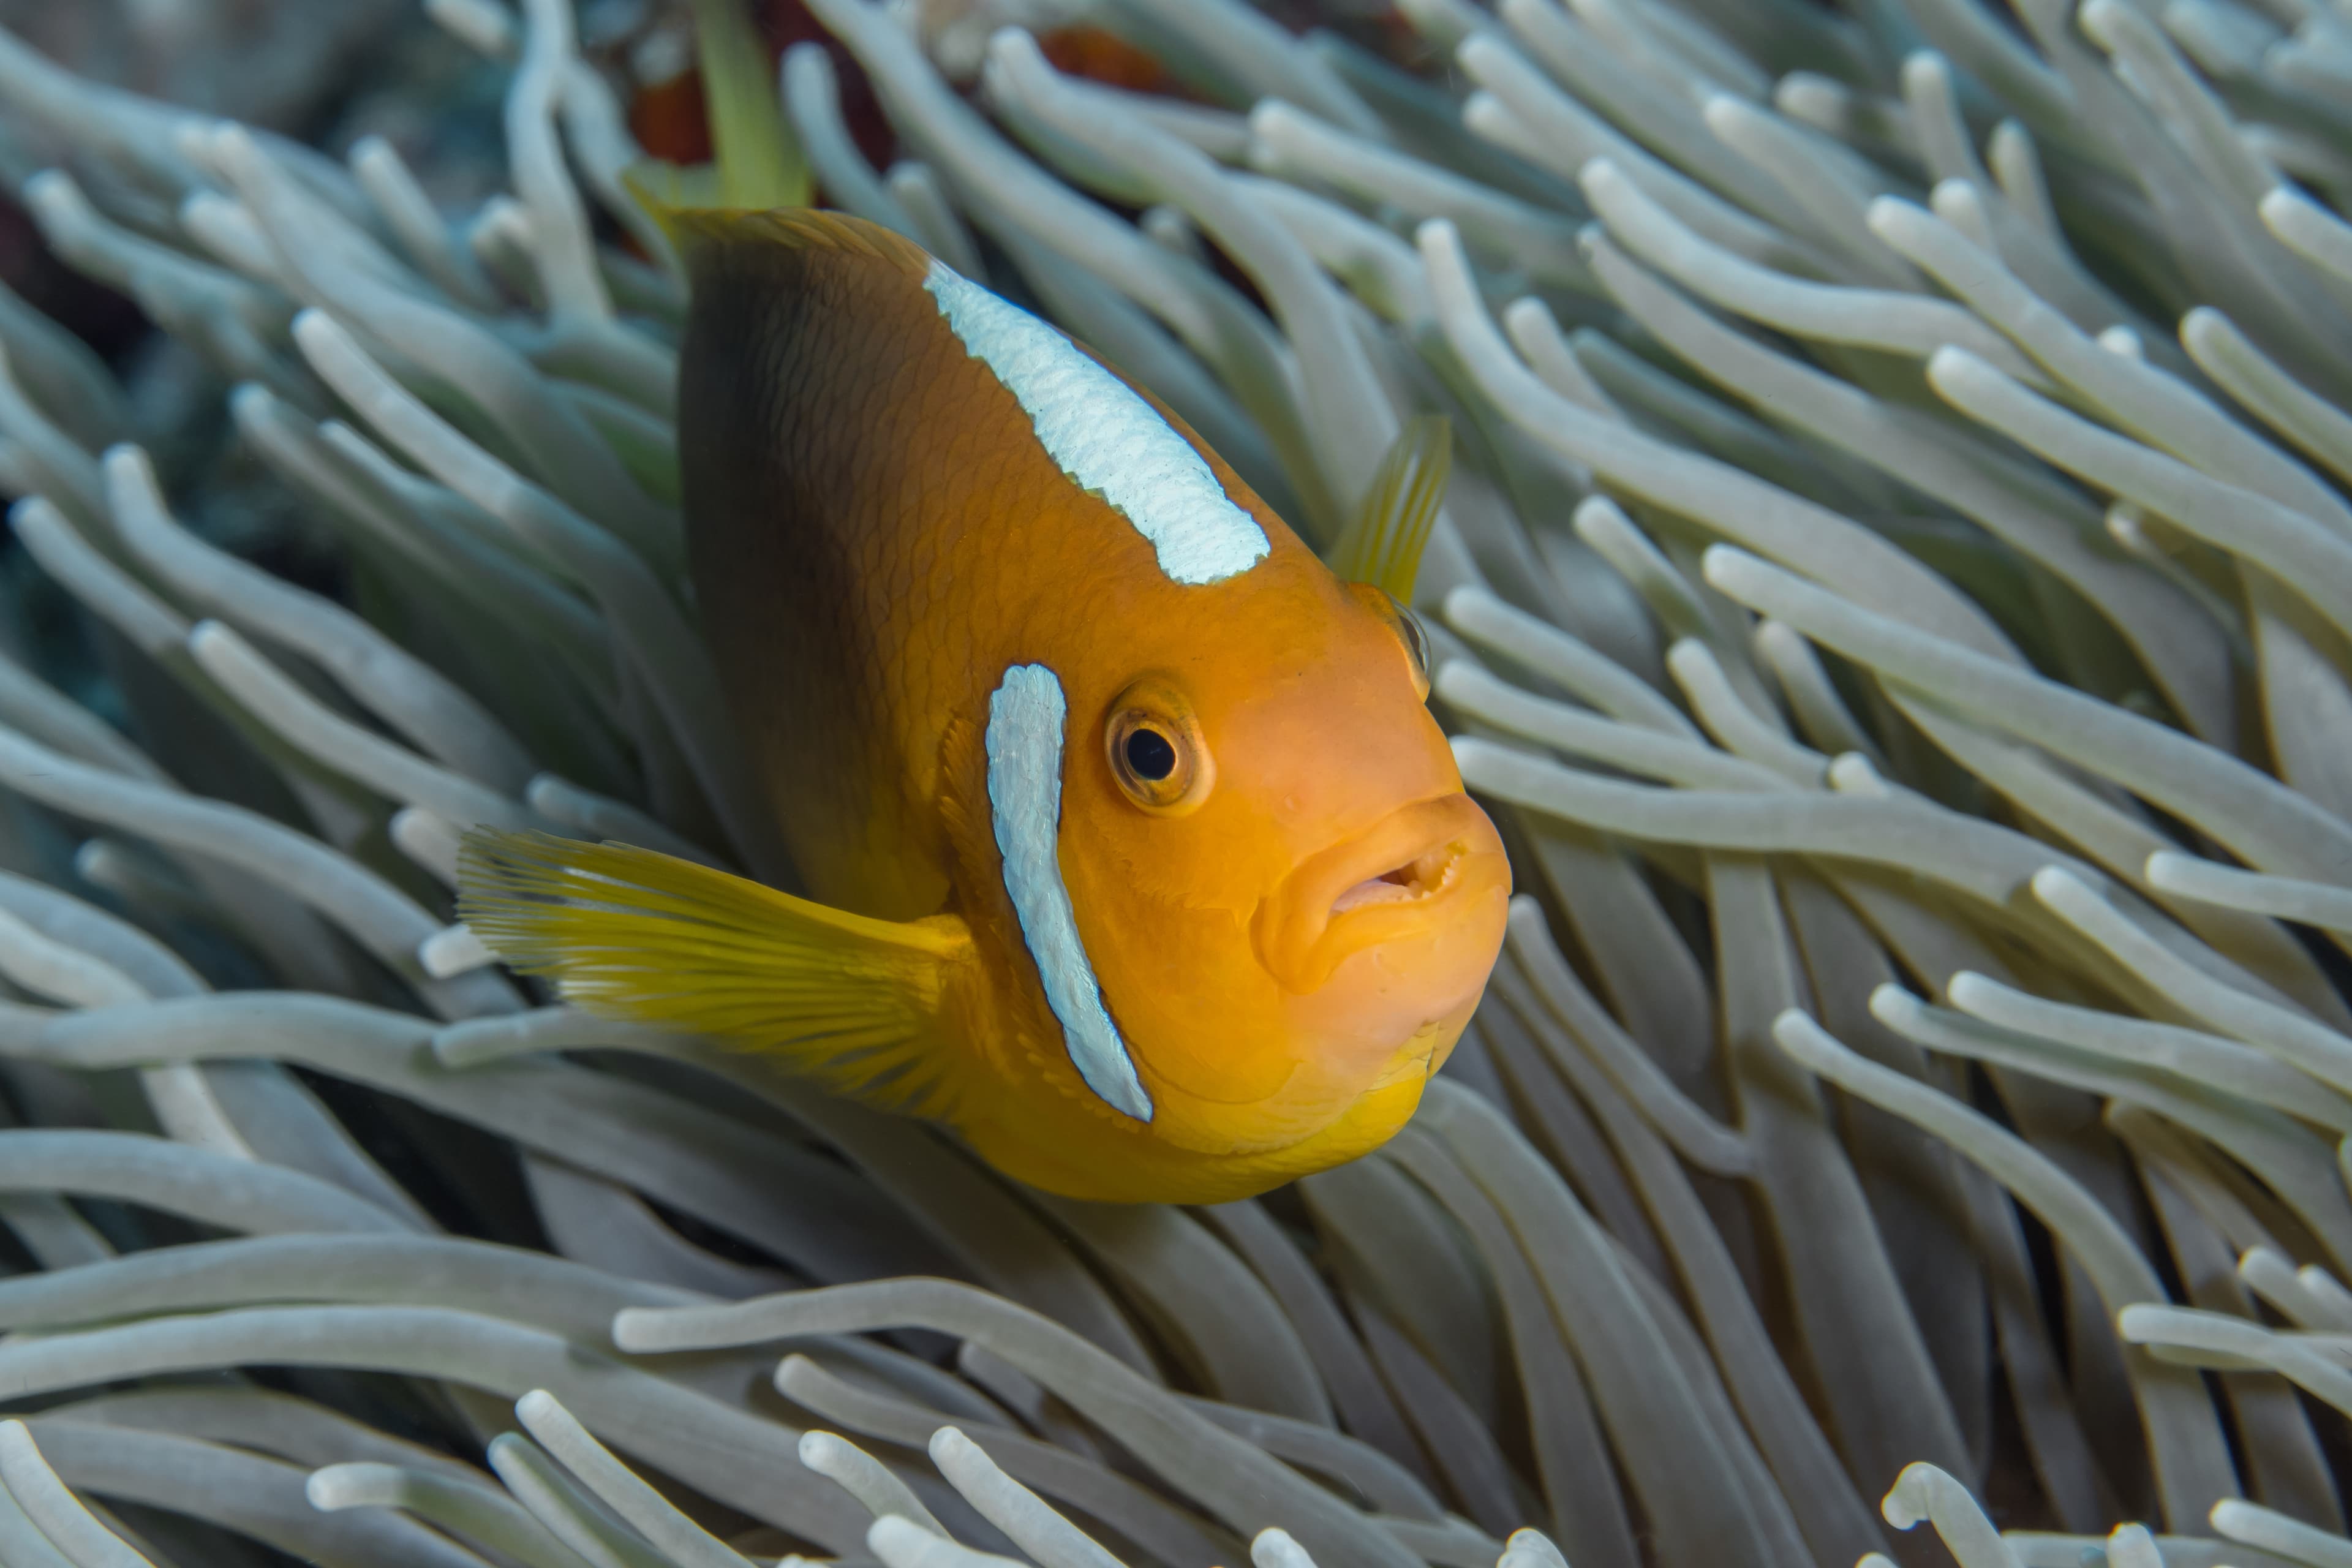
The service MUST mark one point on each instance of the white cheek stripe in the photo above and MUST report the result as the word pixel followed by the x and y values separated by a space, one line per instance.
pixel 1024 805
pixel 1105 437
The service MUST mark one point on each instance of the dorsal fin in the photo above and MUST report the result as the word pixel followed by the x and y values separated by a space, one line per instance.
pixel 794 228
pixel 1383 545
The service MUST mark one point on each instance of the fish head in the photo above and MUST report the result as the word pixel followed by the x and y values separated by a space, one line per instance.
pixel 1291 903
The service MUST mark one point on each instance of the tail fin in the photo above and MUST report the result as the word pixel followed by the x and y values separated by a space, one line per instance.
pixel 759 165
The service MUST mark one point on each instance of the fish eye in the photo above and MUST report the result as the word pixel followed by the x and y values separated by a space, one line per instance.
pixel 1155 749
pixel 1408 628
pixel 1416 648
pixel 1149 755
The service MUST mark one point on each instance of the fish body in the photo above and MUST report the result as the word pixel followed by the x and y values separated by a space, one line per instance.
pixel 1132 851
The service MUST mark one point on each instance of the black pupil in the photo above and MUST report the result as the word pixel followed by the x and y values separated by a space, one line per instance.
pixel 1150 755
pixel 1416 641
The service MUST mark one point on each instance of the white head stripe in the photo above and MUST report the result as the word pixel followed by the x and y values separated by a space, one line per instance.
pixel 1024 805
pixel 1105 437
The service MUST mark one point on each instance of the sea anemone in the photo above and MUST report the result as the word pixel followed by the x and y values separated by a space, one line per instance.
pixel 1895 590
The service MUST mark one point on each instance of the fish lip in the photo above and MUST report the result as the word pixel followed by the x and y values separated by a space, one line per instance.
pixel 1332 905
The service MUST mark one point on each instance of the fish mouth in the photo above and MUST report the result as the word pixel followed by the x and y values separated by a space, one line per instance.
pixel 1392 881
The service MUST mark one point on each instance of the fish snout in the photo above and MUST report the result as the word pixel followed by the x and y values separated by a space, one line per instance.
pixel 1411 872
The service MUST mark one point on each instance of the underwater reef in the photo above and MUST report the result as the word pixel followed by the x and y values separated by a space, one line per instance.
pixel 1893 592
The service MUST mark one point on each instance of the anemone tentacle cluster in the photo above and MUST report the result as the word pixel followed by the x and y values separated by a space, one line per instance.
pixel 1895 589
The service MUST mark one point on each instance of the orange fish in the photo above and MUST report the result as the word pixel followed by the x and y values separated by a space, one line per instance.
pixel 1138 859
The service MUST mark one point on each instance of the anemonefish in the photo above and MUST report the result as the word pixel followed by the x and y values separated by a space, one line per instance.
pixel 1136 856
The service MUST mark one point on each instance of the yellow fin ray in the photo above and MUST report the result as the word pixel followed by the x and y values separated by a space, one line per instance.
pixel 1383 544
pixel 665 190
pixel 802 228
pixel 856 1004
pixel 759 163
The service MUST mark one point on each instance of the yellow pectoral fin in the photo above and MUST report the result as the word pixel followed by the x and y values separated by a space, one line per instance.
pixel 1383 544
pixel 859 1005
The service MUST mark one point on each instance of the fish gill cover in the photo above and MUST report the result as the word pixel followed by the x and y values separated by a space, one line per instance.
pixel 1895 588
